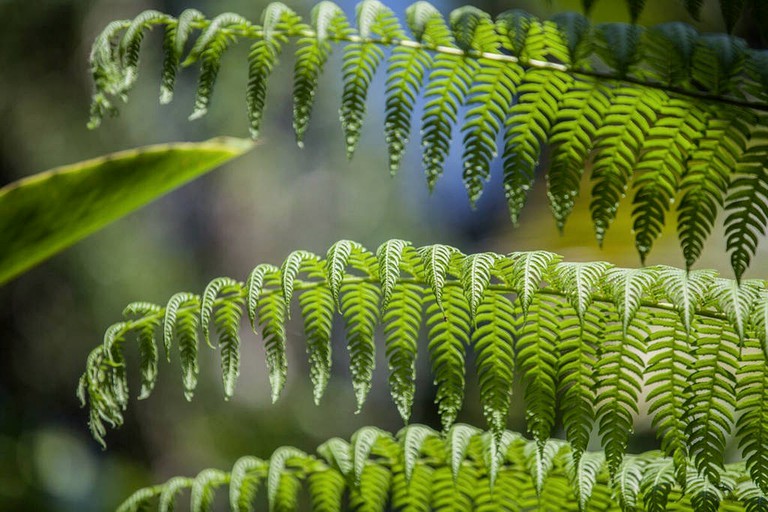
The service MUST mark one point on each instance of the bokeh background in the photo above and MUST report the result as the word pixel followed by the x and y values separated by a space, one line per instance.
pixel 276 199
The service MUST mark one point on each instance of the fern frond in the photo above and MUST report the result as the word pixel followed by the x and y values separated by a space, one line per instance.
pixel 405 76
pixel 537 359
pixel 204 488
pixel 713 397
pixel 448 325
pixel 747 214
pixel 705 181
pixel 584 337
pixel 664 112
pixel 361 59
pixel 209 49
pixel 402 322
pixel 175 39
pixel 579 117
pixel 492 341
pixel 360 309
pixel 278 24
pixel 524 480
pixel 311 55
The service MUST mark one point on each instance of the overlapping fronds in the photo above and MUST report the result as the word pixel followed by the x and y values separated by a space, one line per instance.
pixel 586 339
pixel 664 114
pixel 420 469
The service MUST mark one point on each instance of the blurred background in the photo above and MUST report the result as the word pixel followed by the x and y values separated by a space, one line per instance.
pixel 276 199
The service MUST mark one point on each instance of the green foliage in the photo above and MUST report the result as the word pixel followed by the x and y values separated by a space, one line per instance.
pixel 463 470
pixel 663 114
pixel 585 338
pixel 91 194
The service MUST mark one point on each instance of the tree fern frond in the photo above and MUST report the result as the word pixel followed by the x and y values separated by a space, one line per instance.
pixel 446 92
pixel 475 277
pixel 326 489
pixel 448 328
pixel 537 359
pixel 584 346
pixel 584 476
pixel 628 121
pixel 280 483
pixel 666 108
pixel 317 309
pixel 435 261
pixel 139 500
pixel 752 422
pixel 204 487
pixel 406 72
pixel 209 49
pixel 579 117
pixel 528 126
pixel 171 491
pixel 361 59
pixel 360 309
pixel 705 181
pixel 278 24
pixel 297 261
pixel 244 481
pixel 130 45
pixel 272 316
pixel 646 481
pixel 526 272
pixel 747 214
pixel 336 264
pixel 402 322
pixel 661 167
pixel 713 397
pixel 174 41
pixel 311 55
pixel 492 341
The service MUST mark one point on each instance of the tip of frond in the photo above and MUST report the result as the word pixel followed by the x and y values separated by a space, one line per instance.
pixel 300 143
pixel 198 113
pixel 188 395
pixel 166 96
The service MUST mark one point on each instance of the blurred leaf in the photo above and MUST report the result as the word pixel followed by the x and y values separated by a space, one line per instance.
pixel 46 213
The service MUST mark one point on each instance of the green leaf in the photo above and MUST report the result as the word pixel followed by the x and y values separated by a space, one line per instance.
pixel 360 309
pixel 275 476
pixel 402 322
pixel 244 482
pixel 171 491
pixel 204 487
pixel 475 278
pixel 435 261
pixel 448 333
pixel 492 340
pixel 43 214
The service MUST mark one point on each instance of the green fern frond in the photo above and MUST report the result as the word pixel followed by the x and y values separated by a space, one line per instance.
pixel 747 213
pixel 311 55
pixel 665 113
pixel 580 115
pixel 406 72
pixel 493 343
pixel 278 24
pixel 524 478
pixel 448 326
pixel 537 359
pixel 246 476
pixel 175 39
pixel 209 49
pixel 361 59
pixel 584 337
pixel 204 489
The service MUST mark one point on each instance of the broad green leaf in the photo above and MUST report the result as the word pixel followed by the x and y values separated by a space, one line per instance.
pixel 45 213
